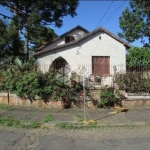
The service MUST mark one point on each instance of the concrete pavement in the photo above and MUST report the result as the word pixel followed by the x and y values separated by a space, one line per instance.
pixel 138 116
pixel 118 138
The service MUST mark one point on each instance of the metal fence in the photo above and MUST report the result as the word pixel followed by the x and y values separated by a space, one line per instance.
pixel 65 71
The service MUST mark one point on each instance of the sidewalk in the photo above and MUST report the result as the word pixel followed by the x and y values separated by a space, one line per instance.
pixel 137 116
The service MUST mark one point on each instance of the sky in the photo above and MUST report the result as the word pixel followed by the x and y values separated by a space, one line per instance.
pixel 96 13
pixel 93 14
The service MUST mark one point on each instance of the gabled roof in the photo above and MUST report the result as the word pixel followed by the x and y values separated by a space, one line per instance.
pixel 73 29
pixel 116 37
pixel 87 35
pixel 61 36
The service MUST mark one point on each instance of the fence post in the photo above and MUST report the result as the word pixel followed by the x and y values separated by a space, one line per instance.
pixel 83 71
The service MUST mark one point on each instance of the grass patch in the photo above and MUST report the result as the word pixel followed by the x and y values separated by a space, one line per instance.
pixel 80 125
pixel 65 125
pixel 34 124
pixel 9 122
pixel 148 124
pixel 47 118
pixel 70 126
pixel 6 107
pixel 79 118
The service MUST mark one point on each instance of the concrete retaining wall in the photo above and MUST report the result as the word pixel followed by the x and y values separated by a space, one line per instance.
pixel 12 99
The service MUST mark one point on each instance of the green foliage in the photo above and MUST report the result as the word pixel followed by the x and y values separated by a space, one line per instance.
pixel 18 79
pixel 107 98
pixel 8 32
pixel 65 125
pixel 39 34
pixel 9 122
pixel 34 124
pixel 31 18
pixel 28 82
pixel 71 126
pixel 135 22
pixel 133 83
pixel 138 57
pixel 6 107
pixel 79 118
pixel 79 125
pixel 6 121
pixel 47 118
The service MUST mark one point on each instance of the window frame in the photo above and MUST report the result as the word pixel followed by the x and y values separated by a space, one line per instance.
pixel 69 38
pixel 98 72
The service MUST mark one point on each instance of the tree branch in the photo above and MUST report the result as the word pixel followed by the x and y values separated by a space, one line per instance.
pixel 4 4
pixel 6 17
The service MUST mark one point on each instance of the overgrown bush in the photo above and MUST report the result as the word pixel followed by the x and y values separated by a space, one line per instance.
pixel 133 82
pixel 27 81
pixel 107 98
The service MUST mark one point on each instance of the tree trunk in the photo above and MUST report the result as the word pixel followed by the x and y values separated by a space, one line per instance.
pixel 26 43
pixel 26 49
pixel 16 36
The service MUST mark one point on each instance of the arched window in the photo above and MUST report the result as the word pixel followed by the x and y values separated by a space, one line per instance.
pixel 62 68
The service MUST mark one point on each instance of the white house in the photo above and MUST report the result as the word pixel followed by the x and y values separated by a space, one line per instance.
pixel 97 51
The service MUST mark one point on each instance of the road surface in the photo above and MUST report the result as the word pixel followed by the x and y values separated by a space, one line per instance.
pixel 106 138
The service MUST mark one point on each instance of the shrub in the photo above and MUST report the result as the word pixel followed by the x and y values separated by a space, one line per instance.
pixel 107 98
pixel 133 82
pixel 138 56
pixel 27 81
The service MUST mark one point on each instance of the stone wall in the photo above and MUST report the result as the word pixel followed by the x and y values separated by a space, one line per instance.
pixel 12 99
pixel 136 103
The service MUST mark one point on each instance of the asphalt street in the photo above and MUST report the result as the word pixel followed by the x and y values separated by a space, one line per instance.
pixel 137 138
pixel 57 143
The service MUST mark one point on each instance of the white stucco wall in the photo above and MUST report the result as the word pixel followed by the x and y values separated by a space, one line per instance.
pixel 81 54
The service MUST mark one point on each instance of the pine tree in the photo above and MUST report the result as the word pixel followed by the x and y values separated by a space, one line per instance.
pixel 29 14
pixel 39 34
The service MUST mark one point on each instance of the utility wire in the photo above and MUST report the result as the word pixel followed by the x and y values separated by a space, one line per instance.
pixel 102 19
pixel 110 17
pixel 103 24
pixel 114 12
pixel 96 27
pixel 104 14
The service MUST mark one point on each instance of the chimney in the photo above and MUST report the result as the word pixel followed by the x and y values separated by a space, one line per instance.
pixel 44 42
